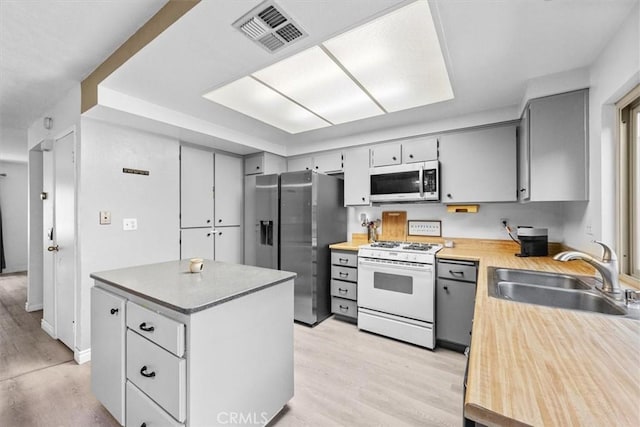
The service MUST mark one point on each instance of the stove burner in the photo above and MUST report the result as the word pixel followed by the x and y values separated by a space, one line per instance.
pixel 418 247
pixel 385 245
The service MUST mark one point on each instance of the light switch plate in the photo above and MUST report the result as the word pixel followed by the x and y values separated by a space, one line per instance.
pixel 129 224
pixel 424 228
pixel 105 217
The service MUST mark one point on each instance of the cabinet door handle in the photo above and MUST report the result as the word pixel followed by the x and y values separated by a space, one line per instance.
pixel 341 274
pixel 143 372
pixel 523 190
pixel 343 291
pixel 143 425
pixel 146 328
pixel 114 310
pixel 393 158
pixel 446 288
pixel 411 156
pixel 208 221
pixel 363 199
pixel 219 220
pixel 456 273
pixel 449 195
pixel 343 260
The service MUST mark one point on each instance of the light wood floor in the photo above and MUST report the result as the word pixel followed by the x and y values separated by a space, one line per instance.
pixel 343 377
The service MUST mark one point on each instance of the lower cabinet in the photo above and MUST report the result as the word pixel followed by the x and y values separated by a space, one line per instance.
pixel 455 301
pixel 344 279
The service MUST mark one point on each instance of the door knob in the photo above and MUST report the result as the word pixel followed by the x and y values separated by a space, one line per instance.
pixel 53 248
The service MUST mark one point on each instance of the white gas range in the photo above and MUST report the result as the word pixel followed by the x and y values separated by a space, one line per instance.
pixel 396 290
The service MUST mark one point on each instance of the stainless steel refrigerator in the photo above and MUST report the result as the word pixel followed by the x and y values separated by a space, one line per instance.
pixel 299 214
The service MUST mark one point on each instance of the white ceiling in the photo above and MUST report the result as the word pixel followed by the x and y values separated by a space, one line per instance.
pixel 492 48
pixel 48 46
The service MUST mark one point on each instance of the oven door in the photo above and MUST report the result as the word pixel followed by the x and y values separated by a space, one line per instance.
pixel 403 289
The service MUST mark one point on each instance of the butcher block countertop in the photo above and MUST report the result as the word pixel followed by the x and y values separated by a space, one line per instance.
pixel 541 366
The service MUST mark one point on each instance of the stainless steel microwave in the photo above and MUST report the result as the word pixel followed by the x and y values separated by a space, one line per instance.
pixel 413 182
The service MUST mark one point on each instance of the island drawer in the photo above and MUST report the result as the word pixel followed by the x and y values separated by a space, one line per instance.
pixel 344 273
pixel 143 411
pixel 163 331
pixel 343 289
pixel 344 258
pixel 344 307
pixel 158 373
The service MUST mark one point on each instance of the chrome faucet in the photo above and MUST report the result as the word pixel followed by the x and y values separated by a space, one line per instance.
pixel 608 267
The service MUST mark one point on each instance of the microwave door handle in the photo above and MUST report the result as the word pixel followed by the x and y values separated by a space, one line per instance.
pixel 421 180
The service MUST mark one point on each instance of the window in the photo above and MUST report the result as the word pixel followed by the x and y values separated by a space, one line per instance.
pixel 629 184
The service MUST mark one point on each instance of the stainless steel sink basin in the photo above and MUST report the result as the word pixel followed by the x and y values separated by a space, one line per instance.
pixel 540 278
pixel 551 290
pixel 558 297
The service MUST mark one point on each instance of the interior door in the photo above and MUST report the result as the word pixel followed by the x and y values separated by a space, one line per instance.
pixel 64 238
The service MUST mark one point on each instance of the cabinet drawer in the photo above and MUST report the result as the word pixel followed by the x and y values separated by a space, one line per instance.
pixel 467 273
pixel 344 273
pixel 343 289
pixel 143 411
pixel 163 331
pixel 344 259
pixel 344 307
pixel 160 374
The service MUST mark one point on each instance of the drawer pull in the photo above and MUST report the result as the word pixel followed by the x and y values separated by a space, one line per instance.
pixel 344 307
pixel 114 310
pixel 143 372
pixel 343 291
pixel 456 273
pixel 146 328
pixel 341 274
pixel 343 260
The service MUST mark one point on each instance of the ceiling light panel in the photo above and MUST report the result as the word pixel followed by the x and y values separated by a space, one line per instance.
pixel 254 99
pixel 313 79
pixel 397 58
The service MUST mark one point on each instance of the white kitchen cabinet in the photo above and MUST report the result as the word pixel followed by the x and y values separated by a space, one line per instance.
pixel 196 187
pixel 253 165
pixel 228 244
pixel 228 190
pixel 300 164
pixel 420 150
pixel 107 353
pixel 328 163
pixel 558 152
pixel 385 155
pixel 196 243
pixel 264 163
pixel 479 165
pixel 356 177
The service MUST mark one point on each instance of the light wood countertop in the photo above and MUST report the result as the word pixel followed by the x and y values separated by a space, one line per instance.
pixel 535 365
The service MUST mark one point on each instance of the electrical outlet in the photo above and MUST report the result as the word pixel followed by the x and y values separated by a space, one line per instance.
pixel 129 224
pixel 589 230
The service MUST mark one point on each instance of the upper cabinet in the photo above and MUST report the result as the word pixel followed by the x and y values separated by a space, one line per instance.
pixel 356 177
pixel 196 187
pixel 325 163
pixel 479 165
pixel 228 190
pixel 386 155
pixel 420 150
pixel 264 163
pixel 553 159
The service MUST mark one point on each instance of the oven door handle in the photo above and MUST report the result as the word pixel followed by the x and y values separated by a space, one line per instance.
pixel 377 266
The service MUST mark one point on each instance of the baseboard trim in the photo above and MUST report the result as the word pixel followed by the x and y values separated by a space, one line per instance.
pixel 33 307
pixel 82 356
pixel 48 329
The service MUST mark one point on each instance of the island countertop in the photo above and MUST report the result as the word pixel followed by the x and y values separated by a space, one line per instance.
pixel 170 284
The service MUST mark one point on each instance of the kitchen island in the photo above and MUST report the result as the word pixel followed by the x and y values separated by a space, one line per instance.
pixel 178 348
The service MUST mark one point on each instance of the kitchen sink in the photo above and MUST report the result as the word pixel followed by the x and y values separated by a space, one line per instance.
pixel 540 278
pixel 552 290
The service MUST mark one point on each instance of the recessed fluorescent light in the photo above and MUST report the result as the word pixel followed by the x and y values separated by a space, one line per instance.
pixel 254 99
pixel 397 58
pixel 314 80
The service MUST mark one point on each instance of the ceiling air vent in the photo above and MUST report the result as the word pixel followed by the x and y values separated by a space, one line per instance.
pixel 269 26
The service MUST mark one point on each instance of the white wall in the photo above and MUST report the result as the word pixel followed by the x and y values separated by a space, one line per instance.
pixel 13 144
pixel 615 72
pixel 153 200
pixel 13 203
pixel 482 225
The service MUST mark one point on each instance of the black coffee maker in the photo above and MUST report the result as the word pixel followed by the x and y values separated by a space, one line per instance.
pixel 533 241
